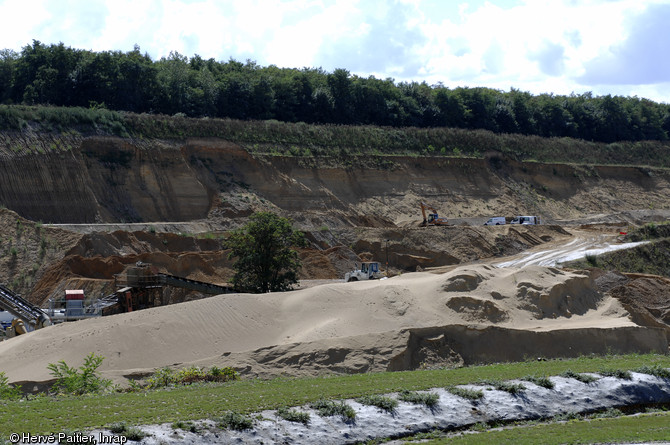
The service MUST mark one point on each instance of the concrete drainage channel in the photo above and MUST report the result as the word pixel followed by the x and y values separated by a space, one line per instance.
pixel 451 412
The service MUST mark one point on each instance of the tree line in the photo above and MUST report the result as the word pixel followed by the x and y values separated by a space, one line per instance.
pixel 131 81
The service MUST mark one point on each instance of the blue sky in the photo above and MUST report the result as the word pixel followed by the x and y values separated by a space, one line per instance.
pixel 617 47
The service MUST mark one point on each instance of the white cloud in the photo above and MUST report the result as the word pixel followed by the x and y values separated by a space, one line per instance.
pixel 20 22
pixel 641 58
pixel 302 37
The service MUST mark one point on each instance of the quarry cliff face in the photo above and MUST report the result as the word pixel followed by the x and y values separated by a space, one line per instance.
pixel 103 180
pixel 111 179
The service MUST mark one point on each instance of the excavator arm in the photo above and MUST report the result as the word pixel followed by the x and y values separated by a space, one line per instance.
pixel 432 218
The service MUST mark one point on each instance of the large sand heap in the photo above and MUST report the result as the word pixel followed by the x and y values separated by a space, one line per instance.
pixel 472 314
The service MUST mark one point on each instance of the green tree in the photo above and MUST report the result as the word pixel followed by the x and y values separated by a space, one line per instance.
pixel 340 85
pixel 174 79
pixel 8 61
pixel 266 260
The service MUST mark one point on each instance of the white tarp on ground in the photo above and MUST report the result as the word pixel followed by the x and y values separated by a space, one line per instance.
pixel 576 249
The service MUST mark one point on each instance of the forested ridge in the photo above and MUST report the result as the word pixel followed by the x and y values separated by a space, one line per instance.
pixel 131 81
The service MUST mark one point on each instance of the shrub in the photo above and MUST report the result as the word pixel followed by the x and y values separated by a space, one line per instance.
pixel 591 259
pixel 161 378
pixel 608 413
pixel 117 428
pixel 466 393
pixel 135 434
pixel 132 433
pixel 186 426
pixel 571 415
pixel 655 370
pixel 618 373
pixel 134 386
pixel 540 381
pixel 512 388
pixel 293 415
pixel 429 399
pixel 222 374
pixel 584 378
pixel 189 375
pixel 166 376
pixel 382 402
pixel 328 408
pixel 7 391
pixel 82 381
pixel 235 421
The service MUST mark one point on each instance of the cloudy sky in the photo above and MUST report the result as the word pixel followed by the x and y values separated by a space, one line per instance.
pixel 618 47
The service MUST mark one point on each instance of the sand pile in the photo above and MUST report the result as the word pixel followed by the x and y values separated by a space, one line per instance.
pixel 469 315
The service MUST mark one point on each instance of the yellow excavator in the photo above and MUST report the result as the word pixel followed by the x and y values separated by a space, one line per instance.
pixel 432 219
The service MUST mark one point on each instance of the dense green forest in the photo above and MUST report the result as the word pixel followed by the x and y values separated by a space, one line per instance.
pixel 62 76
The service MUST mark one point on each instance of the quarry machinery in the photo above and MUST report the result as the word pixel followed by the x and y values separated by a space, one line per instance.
pixel 369 271
pixel 28 316
pixel 142 287
pixel 432 219
pixel 71 307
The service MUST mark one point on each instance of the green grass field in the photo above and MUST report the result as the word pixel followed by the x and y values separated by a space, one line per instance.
pixel 43 414
pixel 632 429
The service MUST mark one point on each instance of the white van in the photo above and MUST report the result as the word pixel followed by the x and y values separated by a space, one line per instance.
pixel 495 221
pixel 526 220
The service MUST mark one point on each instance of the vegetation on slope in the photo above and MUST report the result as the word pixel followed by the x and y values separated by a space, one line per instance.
pixel 44 414
pixel 649 231
pixel 28 127
pixel 650 258
pixel 596 428
pixel 63 76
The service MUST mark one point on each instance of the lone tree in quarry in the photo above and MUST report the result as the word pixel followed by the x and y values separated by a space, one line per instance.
pixel 266 260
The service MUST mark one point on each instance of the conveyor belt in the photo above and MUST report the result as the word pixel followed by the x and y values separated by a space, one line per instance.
pixel 22 309
pixel 199 286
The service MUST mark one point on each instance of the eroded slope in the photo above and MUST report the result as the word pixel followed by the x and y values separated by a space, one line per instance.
pixel 110 179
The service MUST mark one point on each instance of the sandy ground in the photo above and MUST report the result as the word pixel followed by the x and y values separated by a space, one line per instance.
pixel 471 314
pixel 518 308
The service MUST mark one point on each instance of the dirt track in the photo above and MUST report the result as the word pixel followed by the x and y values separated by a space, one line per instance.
pixel 582 243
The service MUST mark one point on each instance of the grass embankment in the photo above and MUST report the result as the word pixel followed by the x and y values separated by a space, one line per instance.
pixel 305 140
pixel 633 429
pixel 180 404
pixel 650 258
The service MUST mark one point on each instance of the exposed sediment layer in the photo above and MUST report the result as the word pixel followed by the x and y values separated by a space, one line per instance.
pixel 114 180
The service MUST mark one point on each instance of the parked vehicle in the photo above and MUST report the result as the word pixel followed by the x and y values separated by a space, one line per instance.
pixel 496 221
pixel 526 220
pixel 369 271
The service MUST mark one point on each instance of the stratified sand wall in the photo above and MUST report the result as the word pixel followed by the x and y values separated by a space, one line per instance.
pixel 436 347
